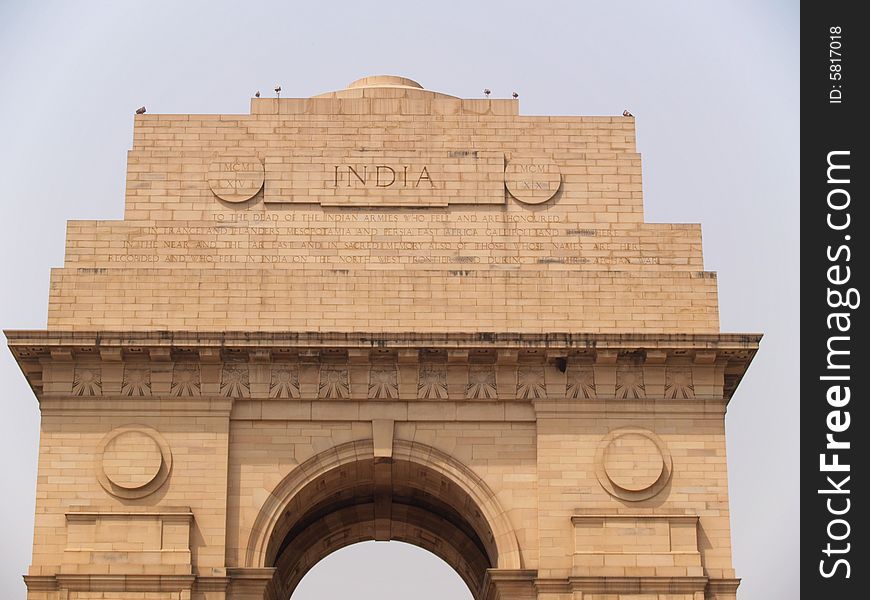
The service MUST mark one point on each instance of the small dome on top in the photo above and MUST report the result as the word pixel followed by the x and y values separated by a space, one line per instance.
pixel 384 81
pixel 384 87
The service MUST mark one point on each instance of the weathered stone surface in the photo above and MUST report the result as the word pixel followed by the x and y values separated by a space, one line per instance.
pixel 382 313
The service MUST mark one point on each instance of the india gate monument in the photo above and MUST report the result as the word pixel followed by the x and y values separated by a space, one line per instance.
pixel 382 313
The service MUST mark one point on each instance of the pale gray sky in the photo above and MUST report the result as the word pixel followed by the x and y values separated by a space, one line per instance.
pixel 714 87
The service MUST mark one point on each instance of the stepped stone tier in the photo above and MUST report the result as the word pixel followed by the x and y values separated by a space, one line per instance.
pixel 382 313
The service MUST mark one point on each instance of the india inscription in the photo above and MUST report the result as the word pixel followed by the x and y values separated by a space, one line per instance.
pixel 382 313
pixel 377 177
pixel 382 176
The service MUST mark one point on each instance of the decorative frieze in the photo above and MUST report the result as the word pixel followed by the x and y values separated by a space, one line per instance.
pixel 629 382
pixel 481 383
pixel 235 381
pixel 334 382
pixel 87 381
pixel 432 381
pixel 530 382
pixel 581 382
pixel 185 379
pixel 486 372
pixel 137 380
pixel 383 381
pixel 679 383
pixel 284 381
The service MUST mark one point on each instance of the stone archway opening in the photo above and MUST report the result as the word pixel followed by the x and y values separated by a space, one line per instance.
pixel 385 570
pixel 380 499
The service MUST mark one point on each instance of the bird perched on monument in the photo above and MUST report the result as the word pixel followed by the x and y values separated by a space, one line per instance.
pixel 487 92
pixel 140 110
pixel 515 95
pixel 278 90
pixel 257 94
pixel 625 113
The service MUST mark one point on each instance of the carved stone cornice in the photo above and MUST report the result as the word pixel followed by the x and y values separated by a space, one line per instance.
pixel 731 353
pixel 723 586
pixel 40 583
pixel 508 584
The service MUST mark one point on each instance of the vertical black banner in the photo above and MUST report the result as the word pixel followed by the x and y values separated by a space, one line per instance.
pixel 834 366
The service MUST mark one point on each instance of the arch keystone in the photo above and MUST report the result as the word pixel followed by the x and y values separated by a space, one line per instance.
pixel 382 435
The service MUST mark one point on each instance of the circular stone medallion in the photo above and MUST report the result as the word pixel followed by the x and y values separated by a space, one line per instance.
pixel 633 462
pixel 134 461
pixel 235 177
pixel 532 179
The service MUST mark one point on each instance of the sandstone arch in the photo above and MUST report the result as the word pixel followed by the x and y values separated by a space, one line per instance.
pixel 346 495
pixel 518 339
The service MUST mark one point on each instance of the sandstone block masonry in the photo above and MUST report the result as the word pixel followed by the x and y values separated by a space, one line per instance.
pixel 382 313
pixel 385 208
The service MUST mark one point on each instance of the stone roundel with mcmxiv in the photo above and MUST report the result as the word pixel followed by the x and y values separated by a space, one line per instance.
pixel 532 179
pixel 633 463
pixel 135 461
pixel 236 177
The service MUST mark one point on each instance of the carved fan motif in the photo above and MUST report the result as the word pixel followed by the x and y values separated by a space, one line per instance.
pixel 86 382
pixel 679 383
pixel 629 383
pixel 235 381
pixel 530 382
pixel 284 381
pixel 481 382
pixel 433 381
pixel 137 381
pixel 383 382
pixel 185 380
pixel 333 382
pixel 581 382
